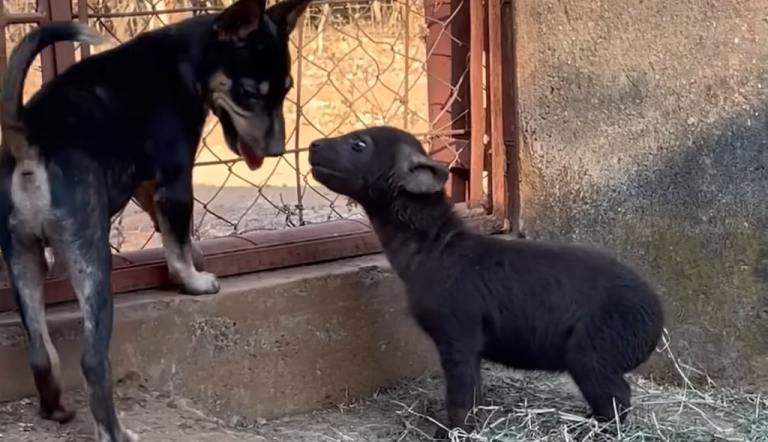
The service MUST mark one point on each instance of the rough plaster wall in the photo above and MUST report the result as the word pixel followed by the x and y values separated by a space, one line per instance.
pixel 645 130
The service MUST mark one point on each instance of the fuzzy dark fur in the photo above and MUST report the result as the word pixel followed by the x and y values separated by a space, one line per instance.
pixel 525 304
pixel 128 117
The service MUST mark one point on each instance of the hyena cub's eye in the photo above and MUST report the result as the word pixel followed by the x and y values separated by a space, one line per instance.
pixel 358 145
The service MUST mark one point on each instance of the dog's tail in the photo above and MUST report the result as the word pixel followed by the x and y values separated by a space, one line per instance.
pixel 11 104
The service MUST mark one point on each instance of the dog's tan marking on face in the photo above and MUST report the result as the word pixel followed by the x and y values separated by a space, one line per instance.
pixel 220 86
pixel 219 82
pixel 264 87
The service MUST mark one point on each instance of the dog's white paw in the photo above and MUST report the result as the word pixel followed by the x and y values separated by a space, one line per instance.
pixel 200 283
pixel 124 436
pixel 129 436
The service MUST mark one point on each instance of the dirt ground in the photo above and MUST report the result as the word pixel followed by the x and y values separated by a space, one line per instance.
pixel 229 210
pixel 519 407
pixel 392 414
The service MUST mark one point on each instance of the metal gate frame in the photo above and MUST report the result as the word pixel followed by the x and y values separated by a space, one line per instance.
pixel 476 29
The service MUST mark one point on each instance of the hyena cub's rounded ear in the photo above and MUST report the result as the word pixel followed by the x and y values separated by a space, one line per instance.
pixel 240 19
pixel 424 175
pixel 287 12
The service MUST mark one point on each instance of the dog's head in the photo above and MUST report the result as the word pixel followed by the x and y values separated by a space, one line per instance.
pixel 249 84
pixel 376 163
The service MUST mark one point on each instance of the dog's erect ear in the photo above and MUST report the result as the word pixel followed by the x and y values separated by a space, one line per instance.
pixel 423 175
pixel 286 13
pixel 240 19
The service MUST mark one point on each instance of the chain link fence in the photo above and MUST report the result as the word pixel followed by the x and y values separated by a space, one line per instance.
pixel 356 63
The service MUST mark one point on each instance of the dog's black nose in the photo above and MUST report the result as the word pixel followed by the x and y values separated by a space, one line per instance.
pixel 317 144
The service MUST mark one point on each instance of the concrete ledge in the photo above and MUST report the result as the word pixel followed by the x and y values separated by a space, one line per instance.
pixel 268 344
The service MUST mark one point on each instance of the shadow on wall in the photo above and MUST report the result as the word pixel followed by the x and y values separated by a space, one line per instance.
pixel 693 216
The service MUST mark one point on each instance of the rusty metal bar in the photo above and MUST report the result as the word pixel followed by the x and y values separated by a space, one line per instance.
pixel 512 136
pixel 406 76
pixel 235 255
pixel 47 58
pixel 63 52
pixel 500 197
pixel 447 34
pixel 3 47
pixel 13 19
pixel 476 108
pixel 296 140
pixel 193 9
pixel 147 13
pixel 21 18
pixel 82 15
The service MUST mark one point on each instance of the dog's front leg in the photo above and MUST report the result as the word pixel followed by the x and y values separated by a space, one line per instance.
pixel 173 202
pixel 144 196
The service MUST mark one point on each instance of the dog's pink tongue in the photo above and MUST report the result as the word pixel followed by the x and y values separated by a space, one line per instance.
pixel 252 160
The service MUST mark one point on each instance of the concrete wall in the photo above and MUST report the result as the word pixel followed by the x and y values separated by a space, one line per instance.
pixel 645 129
pixel 269 344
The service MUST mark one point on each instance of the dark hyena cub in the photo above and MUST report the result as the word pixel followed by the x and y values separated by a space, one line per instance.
pixel 525 304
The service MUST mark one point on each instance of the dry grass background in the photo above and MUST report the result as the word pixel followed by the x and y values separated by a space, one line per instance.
pixel 352 57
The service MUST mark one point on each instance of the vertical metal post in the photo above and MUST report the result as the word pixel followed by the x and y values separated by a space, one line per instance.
pixel 447 47
pixel 63 52
pixel 406 77
pixel 297 141
pixel 47 59
pixel 476 107
pixel 499 178
pixel 3 47
pixel 82 15
pixel 511 123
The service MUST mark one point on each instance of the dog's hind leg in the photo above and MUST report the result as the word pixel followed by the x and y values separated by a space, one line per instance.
pixel 89 263
pixel 24 204
pixel 80 235
pixel 27 268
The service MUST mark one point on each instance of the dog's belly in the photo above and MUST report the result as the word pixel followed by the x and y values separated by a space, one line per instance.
pixel 122 182
pixel 524 355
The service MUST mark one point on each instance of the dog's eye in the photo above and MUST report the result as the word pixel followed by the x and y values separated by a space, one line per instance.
pixel 358 145
pixel 249 91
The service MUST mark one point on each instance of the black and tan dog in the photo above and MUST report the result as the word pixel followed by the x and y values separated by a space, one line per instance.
pixel 82 146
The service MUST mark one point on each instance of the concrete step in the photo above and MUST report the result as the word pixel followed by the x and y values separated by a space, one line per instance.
pixel 269 344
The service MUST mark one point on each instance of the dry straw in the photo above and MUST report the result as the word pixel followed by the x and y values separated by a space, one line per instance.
pixel 548 409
